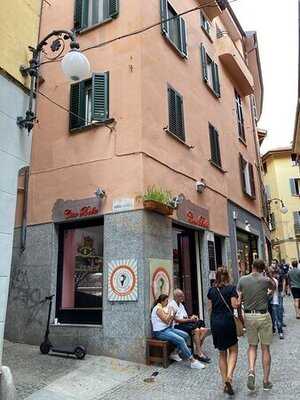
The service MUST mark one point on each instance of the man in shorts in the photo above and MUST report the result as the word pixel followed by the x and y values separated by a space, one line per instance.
pixel 254 289
pixel 194 326
pixel 294 279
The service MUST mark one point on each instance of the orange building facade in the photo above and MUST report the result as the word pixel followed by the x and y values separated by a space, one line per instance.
pixel 174 107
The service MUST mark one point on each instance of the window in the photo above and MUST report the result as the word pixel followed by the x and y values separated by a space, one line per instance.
pixel 89 101
pixel 268 191
pixel 93 12
pixel 295 186
pixel 295 159
pixel 80 273
pixel 210 72
pixel 205 23
pixel 175 29
pixel 272 223
pixel 296 215
pixel 214 146
pixel 240 116
pixel 176 118
pixel 247 177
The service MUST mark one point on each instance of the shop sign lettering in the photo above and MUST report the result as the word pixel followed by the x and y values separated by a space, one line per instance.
pixel 198 220
pixel 83 212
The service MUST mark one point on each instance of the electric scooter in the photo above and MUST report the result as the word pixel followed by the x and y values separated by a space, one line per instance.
pixel 46 346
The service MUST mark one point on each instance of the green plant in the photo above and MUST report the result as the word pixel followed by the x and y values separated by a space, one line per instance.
pixel 158 194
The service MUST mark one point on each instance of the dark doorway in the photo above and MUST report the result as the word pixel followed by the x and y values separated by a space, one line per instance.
pixel 185 267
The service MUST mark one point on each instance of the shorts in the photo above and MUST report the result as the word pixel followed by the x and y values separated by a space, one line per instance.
pixel 189 327
pixel 295 292
pixel 259 329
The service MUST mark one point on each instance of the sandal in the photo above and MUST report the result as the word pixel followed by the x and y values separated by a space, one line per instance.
pixel 228 388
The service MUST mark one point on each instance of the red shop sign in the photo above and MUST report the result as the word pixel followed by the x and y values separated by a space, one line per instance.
pixel 193 214
pixel 75 209
pixel 87 211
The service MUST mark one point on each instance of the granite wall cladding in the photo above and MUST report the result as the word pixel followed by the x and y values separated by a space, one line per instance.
pixel 140 235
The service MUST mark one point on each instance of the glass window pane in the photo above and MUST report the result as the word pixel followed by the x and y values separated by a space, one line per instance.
pixel 82 268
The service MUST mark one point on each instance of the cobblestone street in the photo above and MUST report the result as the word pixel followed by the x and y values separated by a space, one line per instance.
pixel 99 378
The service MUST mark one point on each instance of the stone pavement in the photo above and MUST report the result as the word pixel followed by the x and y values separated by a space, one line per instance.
pixel 40 377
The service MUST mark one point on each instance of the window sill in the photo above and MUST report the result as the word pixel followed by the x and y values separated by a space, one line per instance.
pixel 173 45
pixel 243 141
pixel 207 34
pixel 168 132
pixel 250 196
pixel 64 325
pixel 92 125
pixel 216 95
pixel 92 27
pixel 219 167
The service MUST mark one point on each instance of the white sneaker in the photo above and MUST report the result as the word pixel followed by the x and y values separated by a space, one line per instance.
pixel 197 365
pixel 175 357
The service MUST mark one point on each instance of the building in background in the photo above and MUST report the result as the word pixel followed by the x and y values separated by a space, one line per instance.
pixel 176 108
pixel 282 181
pixel 19 26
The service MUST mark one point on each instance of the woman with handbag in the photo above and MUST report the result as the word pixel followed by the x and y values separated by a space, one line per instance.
pixel 222 300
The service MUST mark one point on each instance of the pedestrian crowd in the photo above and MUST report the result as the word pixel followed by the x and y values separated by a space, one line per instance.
pixel 255 307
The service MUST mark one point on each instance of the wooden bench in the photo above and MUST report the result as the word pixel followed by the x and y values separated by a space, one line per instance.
pixel 158 351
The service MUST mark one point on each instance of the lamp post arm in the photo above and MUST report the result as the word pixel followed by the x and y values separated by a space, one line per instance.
pixel 68 35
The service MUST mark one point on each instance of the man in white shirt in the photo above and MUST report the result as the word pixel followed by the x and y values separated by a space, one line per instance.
pixel 192 325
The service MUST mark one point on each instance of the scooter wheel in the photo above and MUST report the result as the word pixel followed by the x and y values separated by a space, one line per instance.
pixel 45 348
pixel 80 352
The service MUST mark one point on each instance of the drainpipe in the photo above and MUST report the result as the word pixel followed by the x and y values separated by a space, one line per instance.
pixel 25 207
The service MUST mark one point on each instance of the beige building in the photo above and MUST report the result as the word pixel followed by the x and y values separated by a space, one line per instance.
pixel 282 183
pixel 175 106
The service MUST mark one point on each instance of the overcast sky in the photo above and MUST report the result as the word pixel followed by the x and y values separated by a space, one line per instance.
pixel 276 24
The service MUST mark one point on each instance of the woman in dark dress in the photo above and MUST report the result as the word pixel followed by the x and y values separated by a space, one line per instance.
pixel 222 325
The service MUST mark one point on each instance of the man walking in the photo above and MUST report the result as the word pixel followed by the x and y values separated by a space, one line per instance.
pixel 294 279
pixel 253 289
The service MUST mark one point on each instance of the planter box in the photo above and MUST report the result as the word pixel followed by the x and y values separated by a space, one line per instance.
pixel 158 207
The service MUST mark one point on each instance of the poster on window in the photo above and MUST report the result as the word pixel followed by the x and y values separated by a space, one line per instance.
pixel 122 280
pixel 161 278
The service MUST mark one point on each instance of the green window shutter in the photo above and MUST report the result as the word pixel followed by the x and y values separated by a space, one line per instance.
pixel 179 117
pixel 176 118
pixel 242 172
pixel 114 7
pixel 214 145
pixel 81 14
pixel 164 16
pixel 183 36
pixel 216 80
pixel 100 97
pixel 296 222
pixel 293 187
pixel 204 63
pixel 252 182
pixel 77 105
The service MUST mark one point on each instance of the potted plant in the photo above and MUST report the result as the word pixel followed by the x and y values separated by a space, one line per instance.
pixel 158 200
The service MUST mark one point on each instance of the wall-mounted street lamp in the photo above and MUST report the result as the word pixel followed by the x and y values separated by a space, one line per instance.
pixel 75 66
pixel 283 208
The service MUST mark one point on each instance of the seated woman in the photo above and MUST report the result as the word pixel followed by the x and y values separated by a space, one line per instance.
pixel 162 321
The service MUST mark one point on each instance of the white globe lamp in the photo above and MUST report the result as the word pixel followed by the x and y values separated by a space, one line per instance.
pixel 75 65
pixel 284 210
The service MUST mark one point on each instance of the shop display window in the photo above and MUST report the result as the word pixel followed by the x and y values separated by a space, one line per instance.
pixel 80 273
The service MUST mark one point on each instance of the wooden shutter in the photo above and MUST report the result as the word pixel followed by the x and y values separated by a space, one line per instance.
pixel 176 119
pixel 204 63
pixel 100 97
pixel 81 14
pixel 296 222
pixel 293 187
pixel 252 181
pixel 179 117
pixel 242 168
pixel 214 145
pixel 183 36
pixel 114 7
pixel 216 80
pixel 272 221
pixel 164 16
pixel 77 105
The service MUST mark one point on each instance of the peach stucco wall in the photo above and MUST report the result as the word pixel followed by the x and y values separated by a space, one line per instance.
pixel 138 152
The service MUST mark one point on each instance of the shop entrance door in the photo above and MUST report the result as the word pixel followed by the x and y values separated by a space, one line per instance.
pixel 247 252
pixel 185 267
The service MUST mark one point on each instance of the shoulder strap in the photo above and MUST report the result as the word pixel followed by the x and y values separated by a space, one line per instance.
pixel 224 301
